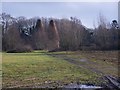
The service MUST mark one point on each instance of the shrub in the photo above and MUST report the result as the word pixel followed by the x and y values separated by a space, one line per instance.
pixel 20 49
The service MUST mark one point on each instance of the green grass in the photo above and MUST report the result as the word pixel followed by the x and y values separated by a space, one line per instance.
pixel 37 68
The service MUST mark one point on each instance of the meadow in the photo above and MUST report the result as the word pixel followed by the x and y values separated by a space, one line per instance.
pixel 56 69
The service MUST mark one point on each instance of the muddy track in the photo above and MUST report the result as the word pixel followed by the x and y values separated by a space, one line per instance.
pixel 108 81
pixel 75 62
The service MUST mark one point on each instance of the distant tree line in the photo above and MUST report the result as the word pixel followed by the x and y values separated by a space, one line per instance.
pixel 22 35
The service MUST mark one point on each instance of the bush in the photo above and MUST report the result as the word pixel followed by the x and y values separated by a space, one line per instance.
pixel 20 49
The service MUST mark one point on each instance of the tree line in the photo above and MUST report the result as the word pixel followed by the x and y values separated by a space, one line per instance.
pixel 21 34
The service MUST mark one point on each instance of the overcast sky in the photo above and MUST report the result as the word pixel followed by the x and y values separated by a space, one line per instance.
pixel 87 12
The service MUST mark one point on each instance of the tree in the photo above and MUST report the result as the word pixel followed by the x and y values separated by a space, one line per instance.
pixel 53 36
pixel 11 39
pixel 39 36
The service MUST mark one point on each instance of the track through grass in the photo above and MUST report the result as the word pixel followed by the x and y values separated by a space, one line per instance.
pixel 38 69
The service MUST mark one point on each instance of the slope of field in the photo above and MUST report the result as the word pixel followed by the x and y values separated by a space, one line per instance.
pixel 40 68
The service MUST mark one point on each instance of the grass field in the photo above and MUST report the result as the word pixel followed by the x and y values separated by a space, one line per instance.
pixel 40 68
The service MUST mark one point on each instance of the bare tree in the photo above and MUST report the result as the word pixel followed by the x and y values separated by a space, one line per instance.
pixel 39 36
pixel 53 36
pixel 11 38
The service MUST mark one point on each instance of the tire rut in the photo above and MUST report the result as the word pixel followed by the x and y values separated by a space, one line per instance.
pixel 73 61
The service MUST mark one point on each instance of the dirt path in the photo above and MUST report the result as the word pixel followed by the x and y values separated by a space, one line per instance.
pixel 75 62
pixel 90 67
pixel 95 64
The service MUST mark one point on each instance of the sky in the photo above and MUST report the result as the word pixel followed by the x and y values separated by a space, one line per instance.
pixel 87 12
